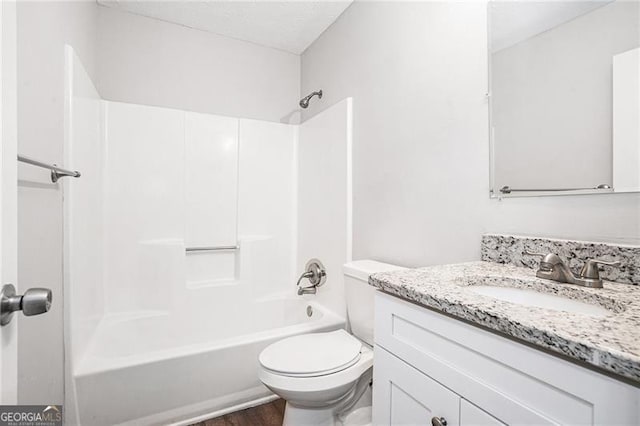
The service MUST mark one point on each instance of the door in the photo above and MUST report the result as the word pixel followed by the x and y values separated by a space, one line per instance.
pixel 403 395
pixel 8 196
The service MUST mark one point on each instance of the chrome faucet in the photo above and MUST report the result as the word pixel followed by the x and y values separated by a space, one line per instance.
pixel 553 268
pixel 315 273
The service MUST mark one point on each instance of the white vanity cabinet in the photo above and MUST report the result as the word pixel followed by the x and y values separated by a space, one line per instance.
pixel 429 366
pixel 408 397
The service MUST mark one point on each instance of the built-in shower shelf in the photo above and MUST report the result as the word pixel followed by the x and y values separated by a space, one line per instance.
pixel 194 285
pixel 210 248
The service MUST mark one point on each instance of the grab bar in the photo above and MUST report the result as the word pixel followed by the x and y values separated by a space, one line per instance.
pixel 56 172
pixel 509 190
pixel 211 248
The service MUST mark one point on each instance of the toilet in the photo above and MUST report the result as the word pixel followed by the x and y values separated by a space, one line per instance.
pixel 325 377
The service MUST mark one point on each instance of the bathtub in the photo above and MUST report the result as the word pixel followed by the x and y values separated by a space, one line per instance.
pixel 158 368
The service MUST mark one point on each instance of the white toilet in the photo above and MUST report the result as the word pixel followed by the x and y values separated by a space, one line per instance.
pixel 323 376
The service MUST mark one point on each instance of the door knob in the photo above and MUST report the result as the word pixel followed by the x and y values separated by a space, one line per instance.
pixel 34 301
pixel 438 421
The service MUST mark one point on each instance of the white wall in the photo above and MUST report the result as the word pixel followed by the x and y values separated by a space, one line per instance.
pixel 417 73
pixel 552 101
pixel 325 199
pixel 151 62
pixel 43 30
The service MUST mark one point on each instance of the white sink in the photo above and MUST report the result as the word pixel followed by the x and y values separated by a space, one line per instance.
pixel 540 300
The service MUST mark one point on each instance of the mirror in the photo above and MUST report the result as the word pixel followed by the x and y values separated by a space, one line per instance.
pixel 564 97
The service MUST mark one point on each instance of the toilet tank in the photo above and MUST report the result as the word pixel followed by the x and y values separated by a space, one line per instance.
pixel 360 295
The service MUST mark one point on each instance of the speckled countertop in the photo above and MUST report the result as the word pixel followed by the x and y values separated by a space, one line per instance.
pixel 610 342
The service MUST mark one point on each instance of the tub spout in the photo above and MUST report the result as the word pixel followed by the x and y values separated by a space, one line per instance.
pixel 306 290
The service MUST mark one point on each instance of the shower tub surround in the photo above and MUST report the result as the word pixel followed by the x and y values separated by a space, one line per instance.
pixel 610 343
pixel 183 241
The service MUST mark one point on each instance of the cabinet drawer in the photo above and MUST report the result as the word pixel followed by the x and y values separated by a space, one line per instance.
pixel 515 383
pixel 404 396
pixel 472 415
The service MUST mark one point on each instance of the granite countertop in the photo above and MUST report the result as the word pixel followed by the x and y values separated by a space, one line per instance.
pixel 610 342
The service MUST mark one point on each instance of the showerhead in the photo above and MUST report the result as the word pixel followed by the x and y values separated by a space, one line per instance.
pixel 304 102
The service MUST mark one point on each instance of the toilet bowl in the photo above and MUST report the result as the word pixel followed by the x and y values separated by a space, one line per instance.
pixel 328 372
pixel 324 376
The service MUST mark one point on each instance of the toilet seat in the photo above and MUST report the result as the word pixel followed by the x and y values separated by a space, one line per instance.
pixel 312 355
pixel 319 384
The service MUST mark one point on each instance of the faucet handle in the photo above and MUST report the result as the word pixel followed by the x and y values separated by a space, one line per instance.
pixel 590 269
pixel 315 273
pixel 548 261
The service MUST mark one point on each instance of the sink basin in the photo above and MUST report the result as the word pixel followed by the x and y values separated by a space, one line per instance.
pixel 540 300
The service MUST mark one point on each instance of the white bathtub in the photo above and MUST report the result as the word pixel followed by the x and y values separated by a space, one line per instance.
pixel 157 368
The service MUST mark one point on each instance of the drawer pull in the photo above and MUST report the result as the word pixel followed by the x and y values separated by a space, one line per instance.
pixel 438 421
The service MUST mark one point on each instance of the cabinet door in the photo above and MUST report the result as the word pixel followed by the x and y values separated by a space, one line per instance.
pixel 403 395
pixel 470 415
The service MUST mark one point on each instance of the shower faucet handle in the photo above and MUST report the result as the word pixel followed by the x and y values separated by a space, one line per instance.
pixel 315 273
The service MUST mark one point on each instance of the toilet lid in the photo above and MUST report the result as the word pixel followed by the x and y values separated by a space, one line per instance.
pixel 310 355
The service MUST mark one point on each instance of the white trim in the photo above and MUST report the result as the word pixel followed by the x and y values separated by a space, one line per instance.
pixel 8 194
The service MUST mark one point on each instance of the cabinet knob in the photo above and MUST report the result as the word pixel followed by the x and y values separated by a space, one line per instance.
pixel 438 421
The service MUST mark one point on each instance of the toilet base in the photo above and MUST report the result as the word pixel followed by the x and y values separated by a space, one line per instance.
pixel 296 416
pixel 359 415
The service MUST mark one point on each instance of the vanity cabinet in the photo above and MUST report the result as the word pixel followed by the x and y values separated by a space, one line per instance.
pixel 430 366
pixel 408 397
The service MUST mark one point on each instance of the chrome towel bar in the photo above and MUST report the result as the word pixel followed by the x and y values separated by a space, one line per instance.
pixel 211 248
pixel 509 190
pixel 56 172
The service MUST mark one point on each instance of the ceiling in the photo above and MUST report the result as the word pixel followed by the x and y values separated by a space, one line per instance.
pixel 515 21
pixel 287 25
